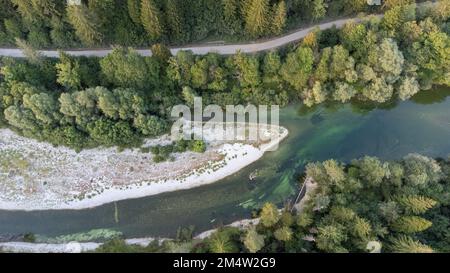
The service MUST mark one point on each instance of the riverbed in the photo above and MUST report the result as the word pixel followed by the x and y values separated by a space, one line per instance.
pixel 343 132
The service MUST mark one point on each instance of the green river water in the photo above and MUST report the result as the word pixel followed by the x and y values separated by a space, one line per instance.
pixel 341 132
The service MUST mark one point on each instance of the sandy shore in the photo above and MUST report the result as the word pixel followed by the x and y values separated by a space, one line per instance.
pixel 39 176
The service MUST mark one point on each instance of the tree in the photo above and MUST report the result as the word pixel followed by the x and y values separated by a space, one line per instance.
pixel 256 17
pixel 85 23
pixel 220 242
pixel 126 68
pixel 342 65
pixel 246 69
pixel 61 33
pixel 68 71
pixel 109 133
pixel 387 60
pixel 151 19
pixel 80 105
pixel 315 95
pixel 44 107
pixel 179 68
pixel 416 204
pixel 149 125
pixel 32 55
pixel 26 11
pixel 421 170
pixel 354 38
pixel 253 241
pixel 408 88
pixel 105 12
pixel 161 53
pixel 46 8
pixel 199 73
pixel 174 21
pixel 283 234
pixel 343 92
pixel 134 10
pixel 411 224
pixel 334 170
pixel 269 215
pixel 298 67
pixel 21 118
pixel 371 170
pixel 388 4
pixel 279 17
pixel 231 18
pixel 406 244
pixel 361 228
pixel 378 91
pixel 329 238
pixel 396 17
pixel 271 68
pixel 431 55
pixel 322 70
pixel 319 9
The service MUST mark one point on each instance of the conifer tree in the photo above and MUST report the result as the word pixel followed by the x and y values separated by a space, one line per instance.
pixel 411 224
pixel 174 20
pixel 256 17
pixel 231 18
pixel 33 56
pixel 279 17
pixel 406 244
pixel 85 24
pixel 151 19
pixel 319 9
pixel 283 234
pixel 45 7
pixel 25 9
pixel 269 215
pixel 134 10
pixel 253 241
pixel 416 204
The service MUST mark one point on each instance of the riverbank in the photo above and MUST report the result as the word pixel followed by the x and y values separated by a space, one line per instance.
pixel 38 176
pixel 77 247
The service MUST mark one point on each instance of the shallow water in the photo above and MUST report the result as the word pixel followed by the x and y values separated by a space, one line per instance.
pixel 421 125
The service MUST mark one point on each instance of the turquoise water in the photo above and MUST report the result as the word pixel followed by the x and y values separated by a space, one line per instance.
pixel 342 132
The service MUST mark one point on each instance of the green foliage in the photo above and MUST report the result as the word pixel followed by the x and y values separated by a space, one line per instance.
pixel 85 23
pixel 151 19
pixel 269 215
pixel 253 241
pixel 406 244
pixel 68 71
pixel 283 234
pixel 256 17
pixel 416 204
pixel 126 68
pixel 355 219
pixel 224 241
pixel 279 18
pixel 411 224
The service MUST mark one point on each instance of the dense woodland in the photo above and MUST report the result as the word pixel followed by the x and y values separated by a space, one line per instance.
pixel 121 98
pixel 365 206
pixel 53 23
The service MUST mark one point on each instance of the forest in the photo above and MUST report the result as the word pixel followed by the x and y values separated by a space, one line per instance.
pixel 365 206
pixel 120 99
pixel 96 23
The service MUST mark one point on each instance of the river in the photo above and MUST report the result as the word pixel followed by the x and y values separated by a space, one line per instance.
pixel 341 132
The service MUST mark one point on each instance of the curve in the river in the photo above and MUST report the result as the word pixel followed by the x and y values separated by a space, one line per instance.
pixel 421 125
